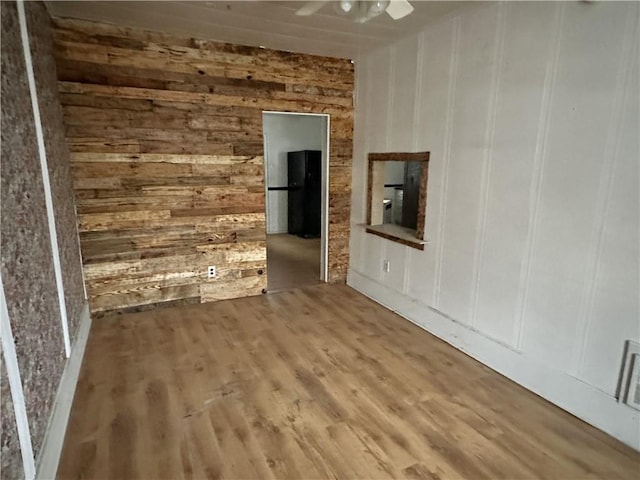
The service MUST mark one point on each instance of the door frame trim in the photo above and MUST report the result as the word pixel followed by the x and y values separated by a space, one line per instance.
pixel 324 208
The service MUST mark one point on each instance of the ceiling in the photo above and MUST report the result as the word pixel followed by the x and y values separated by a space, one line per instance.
pixel 271 24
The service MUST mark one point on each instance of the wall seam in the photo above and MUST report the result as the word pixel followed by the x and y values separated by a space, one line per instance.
pixel 417 105
pixel 53 235
pixel 487 159
pixel 535 189
pixel 383 250
pixel 365 141
pixel 442 214
pixel 391 101
pixel 407 267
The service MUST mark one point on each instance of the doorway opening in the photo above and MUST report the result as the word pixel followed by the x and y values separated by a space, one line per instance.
pixel 296 170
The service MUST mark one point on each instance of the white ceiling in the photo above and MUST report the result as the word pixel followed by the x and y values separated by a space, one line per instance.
pixel 261 23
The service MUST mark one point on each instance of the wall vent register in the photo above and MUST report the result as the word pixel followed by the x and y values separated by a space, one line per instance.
pixel 629 381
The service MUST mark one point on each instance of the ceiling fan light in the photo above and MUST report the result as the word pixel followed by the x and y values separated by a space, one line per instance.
pixel 345 7
pixel 377 7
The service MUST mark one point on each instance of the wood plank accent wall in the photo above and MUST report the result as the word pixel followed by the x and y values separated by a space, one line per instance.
pixel 166 142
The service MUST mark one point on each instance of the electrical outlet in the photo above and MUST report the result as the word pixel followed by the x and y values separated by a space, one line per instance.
pixel 386 266
pixel 211 272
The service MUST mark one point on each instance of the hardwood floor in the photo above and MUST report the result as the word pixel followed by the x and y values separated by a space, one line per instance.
pixel 292 262
pixel 312 383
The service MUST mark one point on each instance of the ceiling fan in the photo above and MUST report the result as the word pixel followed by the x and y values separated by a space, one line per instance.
pixel 361 10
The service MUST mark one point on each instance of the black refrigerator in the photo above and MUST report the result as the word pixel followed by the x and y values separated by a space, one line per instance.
pixel 304 177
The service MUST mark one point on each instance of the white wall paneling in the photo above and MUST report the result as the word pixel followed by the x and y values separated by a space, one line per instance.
pixel 378 104
pixel 517 150
pixel 531 113
pixel 591 43
pixel 487 158
pixel 395 254
pixel 401 110
pixel 624 86
pixel 616 283
pixel 446 135
pixel 472 100
pixel 372 255
pixel 359 184
pixel 537 173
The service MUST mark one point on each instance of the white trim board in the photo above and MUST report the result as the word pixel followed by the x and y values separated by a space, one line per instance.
pixel 57 427
pixel 324 231
pixel 46 182
pixel 15 386
pixel 569 393
pixel 324 208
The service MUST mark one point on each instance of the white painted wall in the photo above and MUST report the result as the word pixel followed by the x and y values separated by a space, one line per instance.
pixel 531 114
pixel 286 133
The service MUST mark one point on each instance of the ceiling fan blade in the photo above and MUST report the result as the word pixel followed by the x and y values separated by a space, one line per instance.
pixel 398 9
pixel 310 8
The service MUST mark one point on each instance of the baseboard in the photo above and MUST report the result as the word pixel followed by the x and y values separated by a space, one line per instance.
pixel 54 437
pixel 569 393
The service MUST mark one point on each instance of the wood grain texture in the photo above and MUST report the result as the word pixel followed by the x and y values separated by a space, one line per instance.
pixel 396 238
pixel 311 383
pixel 294 262
pixel 166 141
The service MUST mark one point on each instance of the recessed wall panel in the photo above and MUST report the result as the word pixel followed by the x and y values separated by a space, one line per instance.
pixel 575 156
pixel 401 119
pixel 511 165
pixel 472 98
pixel 613 316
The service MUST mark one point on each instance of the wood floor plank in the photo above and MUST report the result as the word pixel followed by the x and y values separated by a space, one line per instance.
pixel 318 382
pixel 199 449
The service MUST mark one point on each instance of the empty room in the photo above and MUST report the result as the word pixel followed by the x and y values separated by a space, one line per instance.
pixel 320 240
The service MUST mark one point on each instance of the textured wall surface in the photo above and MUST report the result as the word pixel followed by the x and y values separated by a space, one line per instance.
pixel 40 37
pixel 10 456
pixel 166 141
pixel 27 270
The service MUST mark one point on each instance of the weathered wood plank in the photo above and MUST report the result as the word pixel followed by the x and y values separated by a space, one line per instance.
pixel 108 221
pixel 90 144
pixel 107 34
pixel 202 98
pixel 167 158
pixel 192 61
pixel 129 170
pixel 204 148
pixel 235 288
pixel 101 303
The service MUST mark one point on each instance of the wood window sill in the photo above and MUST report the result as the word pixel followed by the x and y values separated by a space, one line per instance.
pixel 396 233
